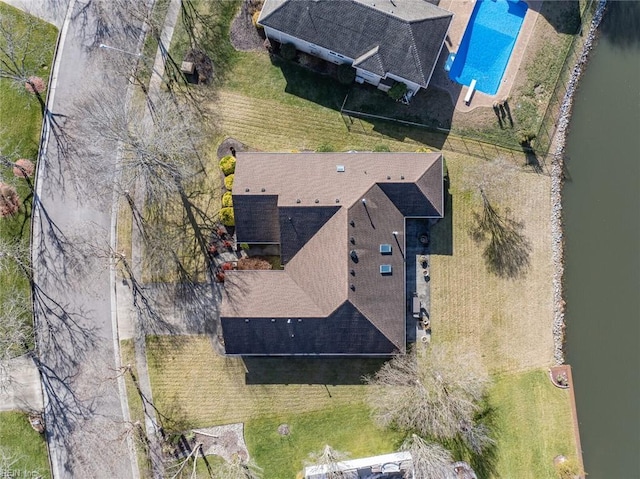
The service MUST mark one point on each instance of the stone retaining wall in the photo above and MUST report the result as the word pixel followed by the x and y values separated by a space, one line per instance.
pixel 557 168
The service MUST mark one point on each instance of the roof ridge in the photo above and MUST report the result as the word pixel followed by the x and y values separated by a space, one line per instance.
pixel 414 53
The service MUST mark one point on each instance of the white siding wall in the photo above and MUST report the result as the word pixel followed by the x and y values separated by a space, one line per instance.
pixel 369 77
pixel 311 48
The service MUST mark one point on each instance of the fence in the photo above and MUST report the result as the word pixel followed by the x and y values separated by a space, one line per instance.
pixel 440 138
pixel 536 154
pixel 549 122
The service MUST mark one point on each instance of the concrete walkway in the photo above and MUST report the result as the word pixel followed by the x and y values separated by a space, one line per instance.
pixel 20 385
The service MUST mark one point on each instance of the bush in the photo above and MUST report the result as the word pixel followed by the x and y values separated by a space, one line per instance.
pixel 254 20
pixel 525 137
pixel 228 182
pixel 397 91
pixel 569 469
pixel 226 217
pixel 424 149
pixel 35 85
pixel 381 148
pixel 227 200
pixel 9 200
pixel 288 51
pixel 228 165
pixel 346 74
pixel 325 148
pixel 23 168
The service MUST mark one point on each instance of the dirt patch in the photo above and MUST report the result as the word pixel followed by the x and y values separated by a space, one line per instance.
pixel 229 146
pixel 244 36
pixel 225 441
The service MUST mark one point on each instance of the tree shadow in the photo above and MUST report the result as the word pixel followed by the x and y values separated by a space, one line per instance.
pixel 621 23
pixel 483 460
pixel 563 16
pixel 507 251
pixel 532 159
pixel 327 371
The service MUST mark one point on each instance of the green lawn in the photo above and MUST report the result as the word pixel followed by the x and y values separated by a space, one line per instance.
pixel 533 420
pixel 19 440
pixel 347 428
pixel 20 124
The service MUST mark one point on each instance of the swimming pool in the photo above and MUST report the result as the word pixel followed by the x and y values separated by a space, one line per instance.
pixel 487 43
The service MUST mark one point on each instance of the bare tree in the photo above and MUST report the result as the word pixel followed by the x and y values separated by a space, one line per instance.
pixel 16 331
pixel 332 461
pixel 429 391
pixel 162 152
pixel 238 468
pixel 430 460
pixel 20 54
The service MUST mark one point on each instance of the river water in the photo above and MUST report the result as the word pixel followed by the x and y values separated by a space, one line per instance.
pixel 602 226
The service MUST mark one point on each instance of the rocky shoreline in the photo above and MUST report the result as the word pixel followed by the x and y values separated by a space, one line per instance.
pixel 557 178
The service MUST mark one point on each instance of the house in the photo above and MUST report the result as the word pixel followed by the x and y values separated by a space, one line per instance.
pixel 339 222
pixel 386 41
pixel 398 465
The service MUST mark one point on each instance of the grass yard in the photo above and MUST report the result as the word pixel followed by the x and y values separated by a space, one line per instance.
pixel 20 441
pixel 534 420
pixel 347 428
pixel 21 120
pixel 197 387
pixel 506 321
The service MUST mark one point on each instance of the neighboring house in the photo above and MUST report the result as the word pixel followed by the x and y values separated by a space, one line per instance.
pixel 398 465
pixel 384 40
pixel 339 220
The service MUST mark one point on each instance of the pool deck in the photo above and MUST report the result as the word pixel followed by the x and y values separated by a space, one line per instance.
pixel 462 10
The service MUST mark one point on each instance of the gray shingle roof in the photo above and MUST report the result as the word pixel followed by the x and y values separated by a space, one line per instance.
pixel 321 278
pixel 408 33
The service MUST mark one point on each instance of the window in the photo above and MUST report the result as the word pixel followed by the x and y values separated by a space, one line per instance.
pixel 385 269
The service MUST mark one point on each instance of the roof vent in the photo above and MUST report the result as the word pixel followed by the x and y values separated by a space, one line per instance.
pixel 402 177
pixel 246 320
pixel 354 255
pixel 337 200
pixel 273 320
pixel 353 240
pixel 246 190
pixel 353 273
pixel 298 200
pixel 340 168
pixel 385 269
pixel 288 321
pixel 388 177
pixel 353 287
pixel 317 200
pixel 263 190
pixel 352 223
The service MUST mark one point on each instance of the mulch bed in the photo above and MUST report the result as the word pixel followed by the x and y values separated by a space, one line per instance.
pixel 244 36
pixel 226 146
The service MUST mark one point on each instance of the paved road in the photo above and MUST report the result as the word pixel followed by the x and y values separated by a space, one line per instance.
pixel 87 428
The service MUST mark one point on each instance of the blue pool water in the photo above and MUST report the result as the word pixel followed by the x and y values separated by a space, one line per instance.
pixel 487 43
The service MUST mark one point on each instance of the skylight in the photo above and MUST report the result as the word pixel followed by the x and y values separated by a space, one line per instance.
pixel 385 269
pixel 385 249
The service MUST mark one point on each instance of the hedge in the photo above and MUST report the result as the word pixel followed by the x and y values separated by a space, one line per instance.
pixel 228 165
pixel 228 182
pixel 226 217
pixel 227 200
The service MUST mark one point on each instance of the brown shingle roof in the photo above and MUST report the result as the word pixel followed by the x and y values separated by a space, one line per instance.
pixel 336 264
